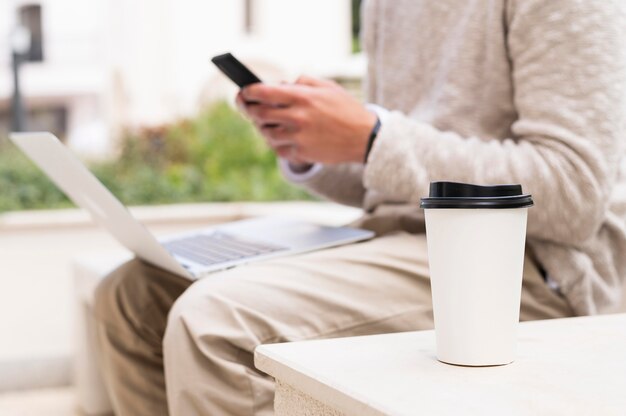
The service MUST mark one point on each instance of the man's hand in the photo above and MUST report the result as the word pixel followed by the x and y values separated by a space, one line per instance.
pixel 309 121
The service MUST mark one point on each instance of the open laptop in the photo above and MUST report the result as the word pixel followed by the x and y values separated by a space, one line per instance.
pixel 192 254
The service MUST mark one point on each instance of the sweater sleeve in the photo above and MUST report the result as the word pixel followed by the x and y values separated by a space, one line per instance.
pixel 569 73
pixel 341 183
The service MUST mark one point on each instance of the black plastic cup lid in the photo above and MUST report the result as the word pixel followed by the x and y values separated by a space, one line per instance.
pixel 465 195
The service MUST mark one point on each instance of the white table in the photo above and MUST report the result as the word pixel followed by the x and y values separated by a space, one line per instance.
pixel 573 366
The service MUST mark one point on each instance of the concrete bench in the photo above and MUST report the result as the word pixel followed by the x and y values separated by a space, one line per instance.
pixel 574 366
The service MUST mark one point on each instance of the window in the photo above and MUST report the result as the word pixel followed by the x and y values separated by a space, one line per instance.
pixel 30 18
pixel 248 16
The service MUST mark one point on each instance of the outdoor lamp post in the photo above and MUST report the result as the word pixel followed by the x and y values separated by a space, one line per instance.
pixel 20 45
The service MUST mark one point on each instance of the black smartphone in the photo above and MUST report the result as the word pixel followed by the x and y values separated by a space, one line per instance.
pixel 235 70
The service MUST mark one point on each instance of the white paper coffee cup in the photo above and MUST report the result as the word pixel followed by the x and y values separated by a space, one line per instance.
pixel 476 237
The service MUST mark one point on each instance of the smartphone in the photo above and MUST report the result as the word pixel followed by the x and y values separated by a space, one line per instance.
pixel 235 70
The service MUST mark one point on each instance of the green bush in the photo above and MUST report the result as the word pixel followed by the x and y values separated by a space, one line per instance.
pixel 216 156
pixel 23 186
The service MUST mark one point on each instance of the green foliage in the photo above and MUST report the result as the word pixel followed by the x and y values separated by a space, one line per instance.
pixel 22 185
pixel 356 25
pixel 216 156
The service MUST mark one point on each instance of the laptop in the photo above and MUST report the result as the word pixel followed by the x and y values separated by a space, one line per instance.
pixel 191 254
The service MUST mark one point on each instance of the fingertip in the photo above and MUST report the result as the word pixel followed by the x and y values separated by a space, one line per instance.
pixel 243 92
pixel 253 92
pixel 241 103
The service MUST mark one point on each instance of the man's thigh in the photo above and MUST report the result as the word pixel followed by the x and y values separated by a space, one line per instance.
pixel 539 301
pixel 370 287
pixel 381 285
pixel 376 286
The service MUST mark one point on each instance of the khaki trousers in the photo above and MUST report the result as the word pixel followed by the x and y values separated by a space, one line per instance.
pixel 169 344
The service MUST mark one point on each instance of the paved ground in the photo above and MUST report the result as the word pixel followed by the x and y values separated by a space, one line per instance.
pixel 46 402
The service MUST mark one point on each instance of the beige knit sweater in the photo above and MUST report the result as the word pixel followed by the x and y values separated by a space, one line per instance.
pixel 503 91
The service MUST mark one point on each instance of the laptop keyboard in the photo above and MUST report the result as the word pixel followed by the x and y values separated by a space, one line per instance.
pixel 218 247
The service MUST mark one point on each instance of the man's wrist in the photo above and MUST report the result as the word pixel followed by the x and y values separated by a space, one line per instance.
pixel 381 112
pixel 371 138
pixel 381 115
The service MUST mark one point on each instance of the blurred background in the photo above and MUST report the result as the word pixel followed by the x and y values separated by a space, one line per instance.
pixel 119 78
pixel 129 87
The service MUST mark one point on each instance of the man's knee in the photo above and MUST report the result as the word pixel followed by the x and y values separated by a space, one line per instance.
pixel 139 296
pixel 211 316
pixel 211 334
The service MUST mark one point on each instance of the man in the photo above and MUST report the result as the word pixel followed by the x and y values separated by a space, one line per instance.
pixel 506 91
